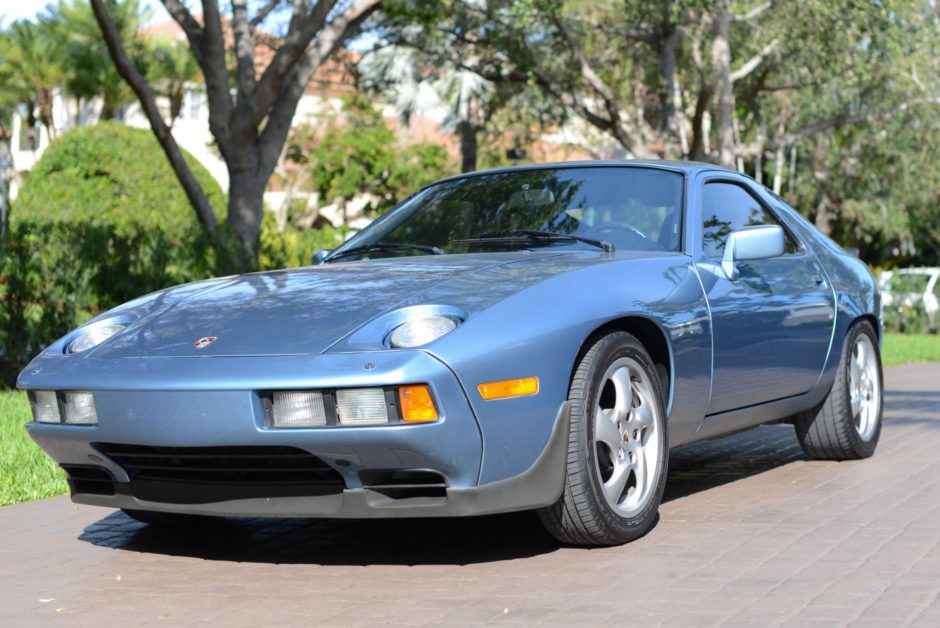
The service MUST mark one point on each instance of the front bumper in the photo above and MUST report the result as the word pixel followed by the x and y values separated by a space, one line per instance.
pixel 213 402
pixel 538 486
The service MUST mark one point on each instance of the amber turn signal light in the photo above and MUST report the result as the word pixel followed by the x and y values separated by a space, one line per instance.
pixel 509 388
pixel 416 404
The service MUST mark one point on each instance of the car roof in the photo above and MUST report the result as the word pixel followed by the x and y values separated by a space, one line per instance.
pixel 687 167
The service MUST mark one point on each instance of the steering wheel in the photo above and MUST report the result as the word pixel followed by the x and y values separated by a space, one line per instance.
pixel 617 225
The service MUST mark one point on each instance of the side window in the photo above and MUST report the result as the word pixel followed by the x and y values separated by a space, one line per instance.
pixel 727 207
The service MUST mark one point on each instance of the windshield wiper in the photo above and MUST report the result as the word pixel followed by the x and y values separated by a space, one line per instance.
pixel 531 235
pixel 385 246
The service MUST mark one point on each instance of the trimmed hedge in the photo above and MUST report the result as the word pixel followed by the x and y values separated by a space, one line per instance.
pixel 100 220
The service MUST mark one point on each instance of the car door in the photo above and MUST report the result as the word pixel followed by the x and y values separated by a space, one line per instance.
pixel 772 325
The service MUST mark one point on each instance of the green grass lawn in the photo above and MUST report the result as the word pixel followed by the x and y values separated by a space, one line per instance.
pixel 910 349
pixel 26 472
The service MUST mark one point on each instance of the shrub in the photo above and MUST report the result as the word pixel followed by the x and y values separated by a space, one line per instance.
pixel 907 319
pixel 101 219
pixel 293 247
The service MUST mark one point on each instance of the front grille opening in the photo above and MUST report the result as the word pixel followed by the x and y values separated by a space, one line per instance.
pixel 88 479
pixel 201 475
pixel 404 483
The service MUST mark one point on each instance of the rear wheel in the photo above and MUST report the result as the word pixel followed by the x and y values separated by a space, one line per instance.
pixel 847 425
pixel 617 447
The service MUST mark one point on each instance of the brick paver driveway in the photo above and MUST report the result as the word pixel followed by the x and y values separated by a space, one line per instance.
pixel 751 533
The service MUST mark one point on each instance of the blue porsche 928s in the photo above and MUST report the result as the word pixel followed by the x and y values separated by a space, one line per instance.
pixel 525 338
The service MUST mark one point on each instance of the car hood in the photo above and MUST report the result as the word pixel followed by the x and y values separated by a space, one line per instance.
pixel 307 310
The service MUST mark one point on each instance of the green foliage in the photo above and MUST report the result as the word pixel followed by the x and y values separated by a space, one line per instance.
pixel 361 155
pixel 907 319
pixel 100 220
pixel 293 247
pixel 171 66
pixel 26 472
pixel 30 68
pixel 89 70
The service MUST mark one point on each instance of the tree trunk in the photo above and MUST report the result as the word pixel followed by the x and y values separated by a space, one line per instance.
pixel 45 112
pixel 820 169
pixel 245 207
pixel 468 146
pixel 791 179
pixel 31 123
pixel 779 161
pixel 176 95
pixel 724 94
pixel 672 123
pixel 698 150
pixel 133 77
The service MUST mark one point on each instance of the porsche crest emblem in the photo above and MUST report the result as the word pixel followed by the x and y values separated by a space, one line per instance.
pixel 204 342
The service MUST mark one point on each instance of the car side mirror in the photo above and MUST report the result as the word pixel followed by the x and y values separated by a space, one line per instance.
pixel 320 255
pixel 759 242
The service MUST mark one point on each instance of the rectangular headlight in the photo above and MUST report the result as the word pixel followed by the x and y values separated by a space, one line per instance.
pixel 45 406
pixel 80 408
pixel 298 409
pixel 361 406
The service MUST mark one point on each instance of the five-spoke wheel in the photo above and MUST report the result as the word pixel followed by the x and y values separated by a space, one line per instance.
pixel 626 436
pixel 847 424
pixel 617 450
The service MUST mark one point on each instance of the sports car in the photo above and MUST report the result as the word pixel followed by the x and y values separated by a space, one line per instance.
pixel 528 338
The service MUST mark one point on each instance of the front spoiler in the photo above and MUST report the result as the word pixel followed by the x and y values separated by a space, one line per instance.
pixel 540 485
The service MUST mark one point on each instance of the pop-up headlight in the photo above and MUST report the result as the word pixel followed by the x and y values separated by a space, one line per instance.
pixel 421 331
pixel 93 336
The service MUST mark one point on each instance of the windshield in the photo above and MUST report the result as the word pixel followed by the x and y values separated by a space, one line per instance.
pixel 604 208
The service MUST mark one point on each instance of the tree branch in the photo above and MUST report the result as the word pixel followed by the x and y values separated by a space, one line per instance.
pixel 135 79
pixel 839 121
pixel 263 13
pixel 750 15
pixel 244 49
pixel 184 18
pixel 208 49
pixel 330 39
pixel 611 104
pixel 751 64
pixel 292 49
pixel 636 34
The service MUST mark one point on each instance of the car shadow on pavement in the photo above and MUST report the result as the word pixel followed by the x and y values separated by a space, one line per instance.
pixel 439 541
pixel 712 463
pixel 693 468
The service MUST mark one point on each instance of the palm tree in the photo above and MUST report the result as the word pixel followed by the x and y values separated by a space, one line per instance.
pixel 398 73
pixel 171 68
pixel 31 58
pixel 88 66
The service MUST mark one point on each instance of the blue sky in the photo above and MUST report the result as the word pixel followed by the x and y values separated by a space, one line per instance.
pixel 11 10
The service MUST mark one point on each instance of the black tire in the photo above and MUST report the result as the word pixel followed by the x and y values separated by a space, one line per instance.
pixel 584 514
pixel 832 430
pixel 169 519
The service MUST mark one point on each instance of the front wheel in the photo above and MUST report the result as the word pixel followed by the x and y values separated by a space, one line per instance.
pixel 847 425
pixel 617 447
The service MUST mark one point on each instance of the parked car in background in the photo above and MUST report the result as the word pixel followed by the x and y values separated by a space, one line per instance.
pixel 904 289
pixel 526 338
